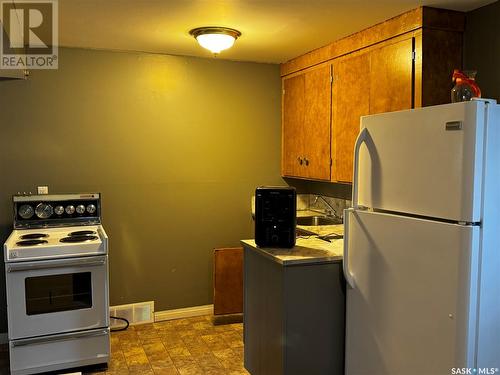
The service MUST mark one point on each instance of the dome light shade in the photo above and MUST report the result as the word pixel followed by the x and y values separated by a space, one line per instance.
pixel 215 42
pixel 215 39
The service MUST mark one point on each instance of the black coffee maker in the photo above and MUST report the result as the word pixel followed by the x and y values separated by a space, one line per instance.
pixel 275 216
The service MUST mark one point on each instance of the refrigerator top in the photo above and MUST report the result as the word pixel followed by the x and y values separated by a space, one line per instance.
pixel 427 161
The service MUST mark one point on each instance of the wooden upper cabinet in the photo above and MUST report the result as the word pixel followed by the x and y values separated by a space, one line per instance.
pixel 292 124
pixel 317 123
pixel 367 82
pixel 306 124
pixel 402 63
pixel 391 80
pixel 350 101
pixel 438 52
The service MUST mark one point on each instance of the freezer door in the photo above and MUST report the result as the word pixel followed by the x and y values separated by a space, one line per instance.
pixel 426 161
pixel 412 308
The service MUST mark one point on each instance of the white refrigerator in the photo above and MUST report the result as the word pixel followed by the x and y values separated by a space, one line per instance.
pixel 422 243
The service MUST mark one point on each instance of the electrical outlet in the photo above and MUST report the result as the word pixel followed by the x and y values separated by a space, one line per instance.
pixel 43 189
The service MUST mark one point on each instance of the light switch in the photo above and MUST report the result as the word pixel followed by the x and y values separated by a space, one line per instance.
pixel 43 190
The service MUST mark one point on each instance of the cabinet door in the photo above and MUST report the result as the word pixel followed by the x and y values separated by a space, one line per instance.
pixel 293 122
pixel 263 316
pixel 391 81
pixel 318 94
pixel 440 52
pixel 306 124
pixel 228 281
pixel 350 101
pixel 254 310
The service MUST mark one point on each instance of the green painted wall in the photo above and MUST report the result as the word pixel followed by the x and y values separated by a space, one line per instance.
pixel 176 145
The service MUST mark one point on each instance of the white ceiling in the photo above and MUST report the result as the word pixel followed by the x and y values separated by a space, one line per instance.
pixel 272 30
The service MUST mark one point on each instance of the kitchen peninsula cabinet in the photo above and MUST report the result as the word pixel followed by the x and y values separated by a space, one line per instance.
pixel 294 316
pixel 306 124
pixel 402 63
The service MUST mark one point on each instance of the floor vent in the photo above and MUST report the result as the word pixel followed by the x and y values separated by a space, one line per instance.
pixel 135 313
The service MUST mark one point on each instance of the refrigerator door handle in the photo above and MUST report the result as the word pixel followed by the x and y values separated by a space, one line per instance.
pixel 349 277
pixel 362 137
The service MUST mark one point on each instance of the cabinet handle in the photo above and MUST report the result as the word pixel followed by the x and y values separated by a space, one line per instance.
pixel 56 263
pixel 300 160
pixel 306 161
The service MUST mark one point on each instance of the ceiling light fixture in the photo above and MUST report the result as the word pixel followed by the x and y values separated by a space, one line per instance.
pixel 215 39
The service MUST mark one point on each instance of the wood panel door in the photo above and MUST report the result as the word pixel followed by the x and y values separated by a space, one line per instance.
pixel 292 125
pixel 317 106
pixel 306 124
pixel 228 281
pixel 443 53
pixel 391 77
pixel 350 101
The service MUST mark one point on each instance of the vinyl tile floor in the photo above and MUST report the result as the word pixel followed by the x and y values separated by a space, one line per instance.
pixel 189 346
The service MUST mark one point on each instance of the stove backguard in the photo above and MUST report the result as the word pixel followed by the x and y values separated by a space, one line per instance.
pixel 50 218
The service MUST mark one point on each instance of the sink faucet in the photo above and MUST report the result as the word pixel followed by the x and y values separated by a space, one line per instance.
pixel 332 211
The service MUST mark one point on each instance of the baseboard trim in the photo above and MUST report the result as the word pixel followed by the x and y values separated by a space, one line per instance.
pixel 186 312
pixel 4 338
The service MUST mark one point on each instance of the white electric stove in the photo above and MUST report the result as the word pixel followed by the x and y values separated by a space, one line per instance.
pixel 56 264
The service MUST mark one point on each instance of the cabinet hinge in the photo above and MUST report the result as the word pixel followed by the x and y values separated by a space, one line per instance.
pixel 331 162
pixel 413 55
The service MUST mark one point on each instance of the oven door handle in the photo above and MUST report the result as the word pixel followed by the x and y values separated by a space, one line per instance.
pixel 61 337
pixel 60 263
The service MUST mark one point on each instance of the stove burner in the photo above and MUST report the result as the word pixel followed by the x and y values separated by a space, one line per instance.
pixel 32 236
pixel 82 233
pixel 31 242
pixel 78 238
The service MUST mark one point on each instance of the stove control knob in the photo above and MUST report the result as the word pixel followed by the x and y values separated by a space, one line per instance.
pixel 26 211
pixel 80 209
pixel 44 210
pixel 59 210
pixel 91 208
pixel 70 210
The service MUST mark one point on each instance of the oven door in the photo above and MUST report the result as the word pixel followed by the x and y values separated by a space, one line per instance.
pixel 57 296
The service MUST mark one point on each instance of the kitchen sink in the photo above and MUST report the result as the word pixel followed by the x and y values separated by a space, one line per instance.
pixel 318 220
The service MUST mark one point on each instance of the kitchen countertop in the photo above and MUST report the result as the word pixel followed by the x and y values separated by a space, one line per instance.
pixel 323 230
pixel 307 250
